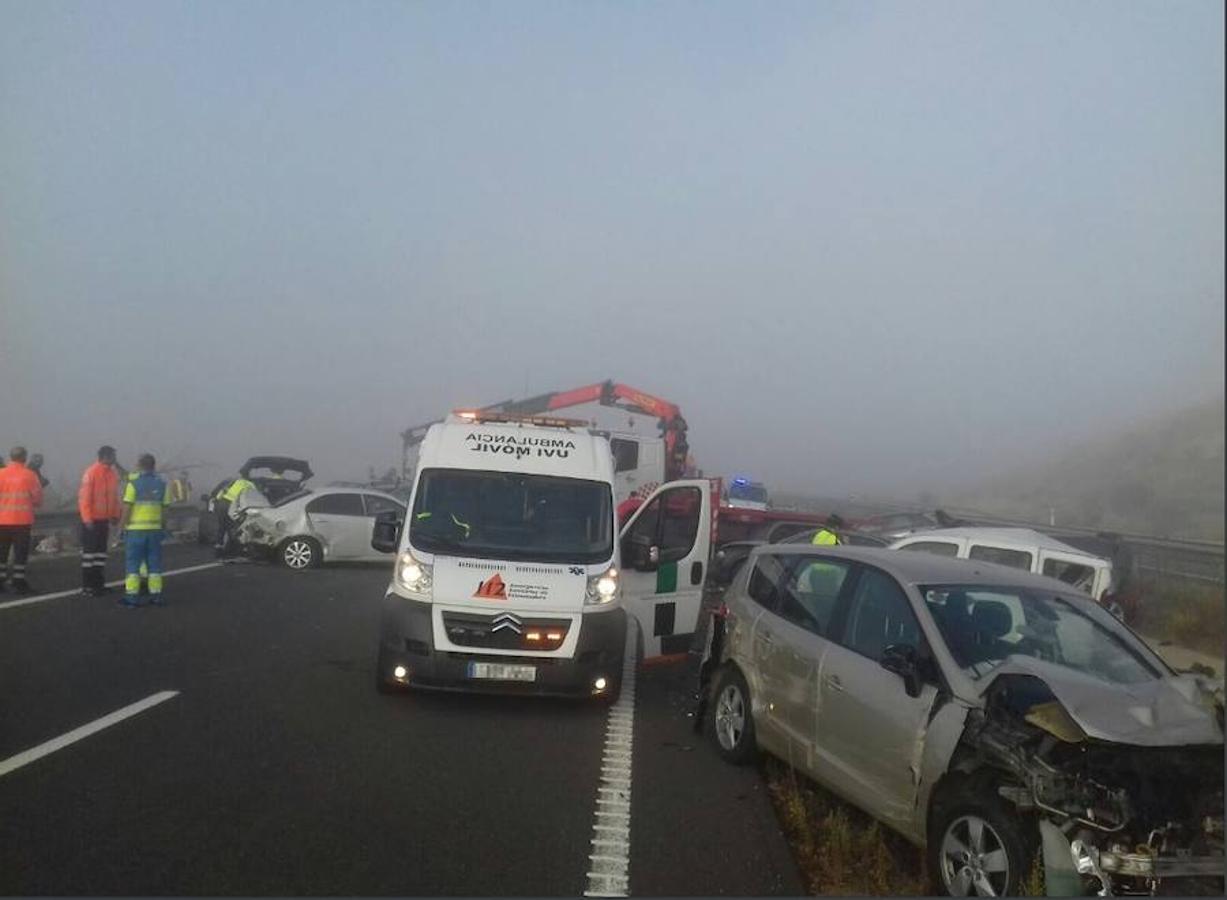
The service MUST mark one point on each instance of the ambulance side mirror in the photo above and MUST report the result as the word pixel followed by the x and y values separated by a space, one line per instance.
pixel 385 535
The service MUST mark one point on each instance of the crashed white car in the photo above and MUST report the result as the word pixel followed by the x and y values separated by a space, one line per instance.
pixel 986 714
pixel 313 527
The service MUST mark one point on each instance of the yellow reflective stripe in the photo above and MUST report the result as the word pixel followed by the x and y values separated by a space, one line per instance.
pixel 155 583
pixel 132 584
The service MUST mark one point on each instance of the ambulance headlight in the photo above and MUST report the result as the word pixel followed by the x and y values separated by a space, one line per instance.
pixel 602 588
pixel 414 577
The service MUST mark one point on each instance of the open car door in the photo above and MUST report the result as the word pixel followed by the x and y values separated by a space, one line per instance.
pixel 665 549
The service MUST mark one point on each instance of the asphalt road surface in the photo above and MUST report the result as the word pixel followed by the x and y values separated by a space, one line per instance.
pixel 237 745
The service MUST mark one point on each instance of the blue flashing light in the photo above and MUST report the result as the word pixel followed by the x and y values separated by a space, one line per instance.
pixel 740 481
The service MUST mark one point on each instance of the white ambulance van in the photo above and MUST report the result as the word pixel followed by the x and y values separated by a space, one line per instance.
pixel 509 574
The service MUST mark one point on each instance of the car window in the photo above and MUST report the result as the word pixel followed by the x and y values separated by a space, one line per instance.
pixel 879 616
pixel 1076 574
pixel 1002 556
pixel 940 548
pixel 811 591
pixel 625 454
pixel 337 505
pixel 679 522
pixel 376 505
pixel 983 626
pixel 765 581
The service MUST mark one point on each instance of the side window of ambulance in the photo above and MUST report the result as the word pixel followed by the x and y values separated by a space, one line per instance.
pixel 679 522
pixel 643 532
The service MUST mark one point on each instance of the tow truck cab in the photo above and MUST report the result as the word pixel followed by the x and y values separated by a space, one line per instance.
pixel 510 575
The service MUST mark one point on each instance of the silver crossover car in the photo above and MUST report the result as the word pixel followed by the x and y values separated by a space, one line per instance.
pixel 313 527
pixel 989 715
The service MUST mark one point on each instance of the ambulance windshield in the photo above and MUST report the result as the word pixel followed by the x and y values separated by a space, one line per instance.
pixel 505 515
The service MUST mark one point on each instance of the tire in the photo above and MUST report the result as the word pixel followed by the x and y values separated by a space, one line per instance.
pixel 1001 862
pixel 730 722
pixel 299 553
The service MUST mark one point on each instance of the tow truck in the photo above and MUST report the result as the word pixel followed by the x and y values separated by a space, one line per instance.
pixel 643 459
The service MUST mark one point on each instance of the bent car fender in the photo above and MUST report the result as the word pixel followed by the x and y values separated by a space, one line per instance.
pixel 935 745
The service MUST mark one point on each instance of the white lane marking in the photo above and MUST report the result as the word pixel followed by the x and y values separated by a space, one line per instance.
pixel 76 592
pixel 34 753
pixel 610 859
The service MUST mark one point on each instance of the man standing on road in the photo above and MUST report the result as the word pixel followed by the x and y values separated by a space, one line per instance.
pixel 143 525
pixel 21 493
pixel 98 503
pixel 225 500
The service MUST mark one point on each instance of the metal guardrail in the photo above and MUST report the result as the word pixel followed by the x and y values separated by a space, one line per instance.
pixel 1163 557
pixel 67 523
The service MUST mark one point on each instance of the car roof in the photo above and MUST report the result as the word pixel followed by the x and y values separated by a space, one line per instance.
pixel 924 568
pixel 352 489
pixel 1028 537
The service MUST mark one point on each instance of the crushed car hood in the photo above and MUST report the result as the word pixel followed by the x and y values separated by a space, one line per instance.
pixel 1167 712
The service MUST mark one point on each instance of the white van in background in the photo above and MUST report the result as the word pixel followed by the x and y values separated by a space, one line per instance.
pixel 510 575
pixel 1019 548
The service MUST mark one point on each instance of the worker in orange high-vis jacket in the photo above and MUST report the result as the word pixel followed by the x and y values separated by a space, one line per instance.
pixel 98 503
pixel 21 493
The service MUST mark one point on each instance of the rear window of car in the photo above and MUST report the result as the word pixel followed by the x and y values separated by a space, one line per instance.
pixel 1074 574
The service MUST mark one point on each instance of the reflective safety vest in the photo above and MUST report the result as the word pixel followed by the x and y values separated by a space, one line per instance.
pixel 98 496
pixel 236 489
pixel 20 493
pixel 825 538
pixel 179 490
pixel 148 494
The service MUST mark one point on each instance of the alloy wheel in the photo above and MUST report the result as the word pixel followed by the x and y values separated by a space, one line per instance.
pixel 730 717
pixel 298 554
pixel 974 859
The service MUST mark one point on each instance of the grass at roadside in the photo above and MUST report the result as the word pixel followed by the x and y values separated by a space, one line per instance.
pixel 1188 615
pixel 840 850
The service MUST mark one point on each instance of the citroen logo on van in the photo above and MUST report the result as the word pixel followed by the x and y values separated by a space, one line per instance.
pixel 506 620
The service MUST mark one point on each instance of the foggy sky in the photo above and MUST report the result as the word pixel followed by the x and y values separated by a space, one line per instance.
pixel 864 246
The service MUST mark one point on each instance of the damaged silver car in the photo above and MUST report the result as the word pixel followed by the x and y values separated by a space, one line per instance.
pixel 991 716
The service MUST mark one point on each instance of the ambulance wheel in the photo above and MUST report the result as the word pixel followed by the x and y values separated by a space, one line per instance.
pixel 731 724
pixel 300 553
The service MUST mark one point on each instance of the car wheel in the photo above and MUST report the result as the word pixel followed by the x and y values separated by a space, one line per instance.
pixel 977 848
pixel 300 553
pixel 731 724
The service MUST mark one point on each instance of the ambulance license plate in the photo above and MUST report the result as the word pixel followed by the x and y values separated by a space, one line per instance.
pixel 502 671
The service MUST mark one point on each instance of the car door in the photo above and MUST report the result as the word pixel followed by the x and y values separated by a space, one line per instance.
pixel 665 547
pixel 374 505
pixel 868 725
pixel 339 522
pixel 794 643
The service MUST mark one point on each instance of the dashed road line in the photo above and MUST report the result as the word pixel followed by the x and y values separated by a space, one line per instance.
pixel 13 763
pixel 610 859
pixel 76 592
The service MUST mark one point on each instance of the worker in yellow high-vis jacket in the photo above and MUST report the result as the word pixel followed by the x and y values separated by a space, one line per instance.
pixel 143 525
